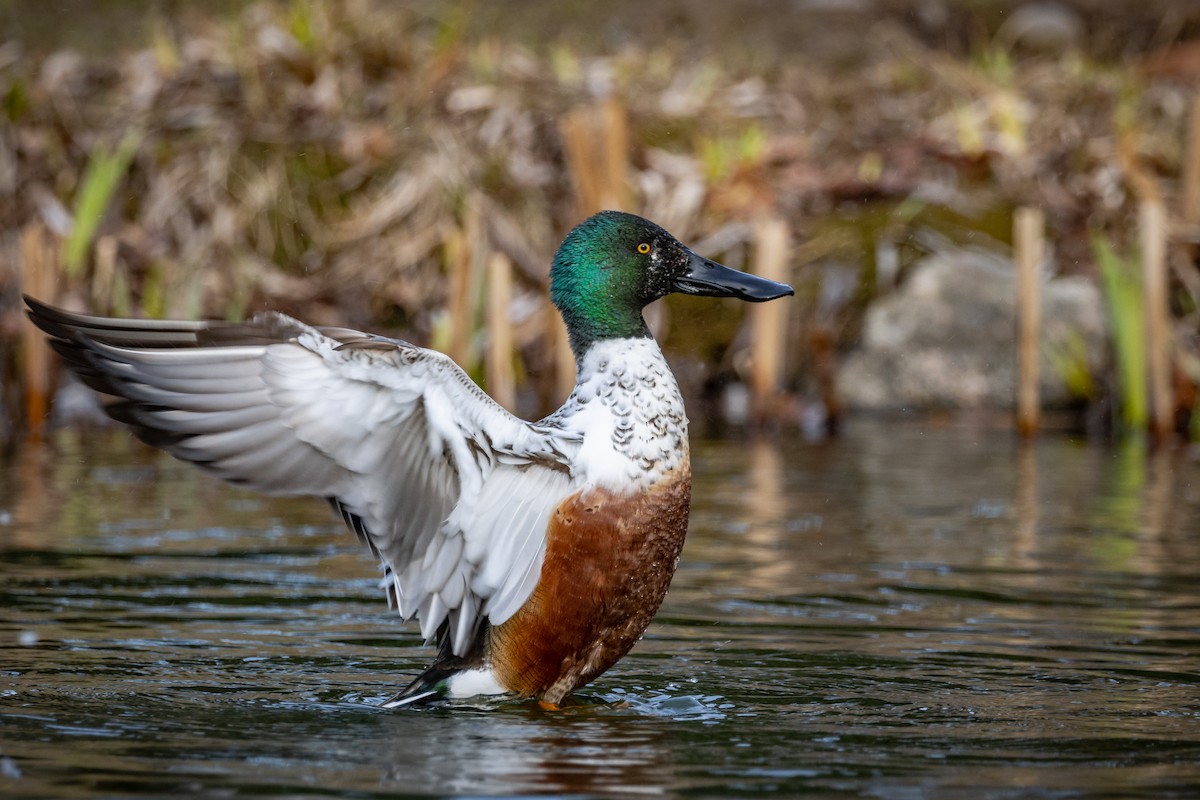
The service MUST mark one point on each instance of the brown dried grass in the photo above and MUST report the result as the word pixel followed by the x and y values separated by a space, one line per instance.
pixel 326 158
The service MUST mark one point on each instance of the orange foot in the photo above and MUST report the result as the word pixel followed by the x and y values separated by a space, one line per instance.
pixel 544 706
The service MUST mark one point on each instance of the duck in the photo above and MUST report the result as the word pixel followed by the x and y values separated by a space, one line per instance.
pixel 533 555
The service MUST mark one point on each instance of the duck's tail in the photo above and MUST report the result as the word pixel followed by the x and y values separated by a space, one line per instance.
pixel 429 685
pixel 450 675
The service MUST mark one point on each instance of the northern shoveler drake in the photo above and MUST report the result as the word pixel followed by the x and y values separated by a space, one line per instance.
pixel 534 554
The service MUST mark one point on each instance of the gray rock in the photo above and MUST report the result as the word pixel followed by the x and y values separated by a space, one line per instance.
pixel 947 339
pixel 1044 27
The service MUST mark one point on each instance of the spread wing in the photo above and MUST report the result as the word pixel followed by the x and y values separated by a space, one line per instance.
pixel 451 490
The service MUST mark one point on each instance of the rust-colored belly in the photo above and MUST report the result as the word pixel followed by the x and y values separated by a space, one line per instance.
pixel 609 560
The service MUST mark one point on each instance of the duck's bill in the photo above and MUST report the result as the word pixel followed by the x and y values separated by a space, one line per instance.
pixel 709 279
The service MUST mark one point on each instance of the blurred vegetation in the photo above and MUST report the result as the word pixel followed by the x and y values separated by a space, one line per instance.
pixel 101 177
pixel 335 159
pixel 1123 290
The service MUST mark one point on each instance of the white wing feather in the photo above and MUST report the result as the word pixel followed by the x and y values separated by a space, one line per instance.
pixel 454 492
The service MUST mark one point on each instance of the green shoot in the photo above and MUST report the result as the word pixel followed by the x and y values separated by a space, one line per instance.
pixel 99 183
pixel 1123 290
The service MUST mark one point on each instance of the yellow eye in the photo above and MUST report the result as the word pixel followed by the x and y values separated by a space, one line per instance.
pixel 643 248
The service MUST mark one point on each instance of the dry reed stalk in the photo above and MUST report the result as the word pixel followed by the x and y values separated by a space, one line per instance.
pixel 564 359
pixel 772 246
pixel 577 143
pixel 462 255
pixel 501 380
pixel 41 257
pixel 1191 169
pixel 596 140
pixel 615 130
pixel 1029 242
pixel 458 264
pixel 1152 226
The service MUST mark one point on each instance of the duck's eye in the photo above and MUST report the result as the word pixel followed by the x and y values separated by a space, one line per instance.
pixel 643 248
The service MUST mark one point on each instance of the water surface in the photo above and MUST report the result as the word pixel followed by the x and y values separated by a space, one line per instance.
pixel 908 611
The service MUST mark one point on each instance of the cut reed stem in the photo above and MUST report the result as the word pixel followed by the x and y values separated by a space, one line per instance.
pixel 1029 243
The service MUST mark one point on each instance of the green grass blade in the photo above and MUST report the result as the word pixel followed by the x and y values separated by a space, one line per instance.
pixel 100 180
pixel 1123 290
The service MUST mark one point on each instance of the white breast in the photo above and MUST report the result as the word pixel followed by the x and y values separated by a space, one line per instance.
pixel 628 409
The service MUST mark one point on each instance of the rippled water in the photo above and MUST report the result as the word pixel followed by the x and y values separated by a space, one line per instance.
pixel 908 611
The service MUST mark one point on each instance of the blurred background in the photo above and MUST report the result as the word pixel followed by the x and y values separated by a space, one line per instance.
pixel 921 606
pixel 409 169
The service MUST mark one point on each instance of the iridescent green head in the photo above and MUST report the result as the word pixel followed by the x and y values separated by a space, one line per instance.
pixel 612 265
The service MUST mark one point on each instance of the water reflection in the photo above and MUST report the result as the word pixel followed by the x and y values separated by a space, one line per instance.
pixel 1026 506
pixel 908 610
pixel 506 753
pixel 989 500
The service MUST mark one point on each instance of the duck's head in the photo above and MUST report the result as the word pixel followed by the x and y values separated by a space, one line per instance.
pixel 613 264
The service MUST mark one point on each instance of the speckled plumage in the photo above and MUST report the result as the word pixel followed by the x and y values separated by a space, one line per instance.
pixel 628 413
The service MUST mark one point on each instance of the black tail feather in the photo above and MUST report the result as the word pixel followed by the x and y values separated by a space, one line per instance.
pixel 432 683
